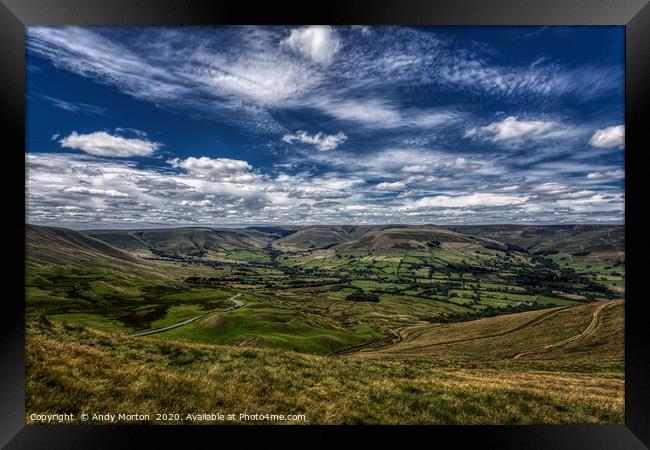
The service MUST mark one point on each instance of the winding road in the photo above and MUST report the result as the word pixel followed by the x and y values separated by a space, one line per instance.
pixel 238 304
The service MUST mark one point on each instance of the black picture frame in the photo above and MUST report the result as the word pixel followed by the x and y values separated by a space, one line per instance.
pixel 15 15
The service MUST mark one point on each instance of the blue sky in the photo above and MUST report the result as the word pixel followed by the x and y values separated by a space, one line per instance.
pixel 158 126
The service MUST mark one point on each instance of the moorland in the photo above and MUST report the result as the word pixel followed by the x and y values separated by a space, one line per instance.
pixel 344 324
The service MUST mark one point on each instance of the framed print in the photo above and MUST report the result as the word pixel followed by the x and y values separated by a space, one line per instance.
pixel 381 218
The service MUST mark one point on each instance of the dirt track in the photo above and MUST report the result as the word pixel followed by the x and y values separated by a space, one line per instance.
pixel 402 335
pixel 398 336
pixel 595 320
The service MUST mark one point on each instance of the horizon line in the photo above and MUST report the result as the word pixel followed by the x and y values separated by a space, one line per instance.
pixel 80 227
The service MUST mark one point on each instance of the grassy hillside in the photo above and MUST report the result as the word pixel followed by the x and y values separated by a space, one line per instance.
pixel 296 300
pixel 372 324
pixel 76 278
pixel 320 237
pixel 52 245
pixel 241 244
pixel 552 337
pixel 184 241
pixel 606 241
pixel 75 369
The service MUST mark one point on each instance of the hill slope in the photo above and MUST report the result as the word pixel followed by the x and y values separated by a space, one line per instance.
pixel 321 236
pixel 65 363
pixel 184 241
pixel 588 336
pixel 595 241
pixel 61 246
pixel 607 241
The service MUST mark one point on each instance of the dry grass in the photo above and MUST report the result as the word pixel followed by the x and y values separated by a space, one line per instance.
pixel 495 341
pixel 74 370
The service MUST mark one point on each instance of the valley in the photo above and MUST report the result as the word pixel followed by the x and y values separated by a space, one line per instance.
pixel 468 310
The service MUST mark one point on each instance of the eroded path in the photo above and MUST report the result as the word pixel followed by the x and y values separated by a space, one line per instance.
pixel 412 332
pixel 595 321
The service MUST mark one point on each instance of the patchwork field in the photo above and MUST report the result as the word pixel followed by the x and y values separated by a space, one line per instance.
pixel 345 324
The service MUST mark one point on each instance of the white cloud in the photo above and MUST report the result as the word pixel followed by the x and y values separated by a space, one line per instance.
pixel 512 128
pixel 551 187
pixel 464 201
pixel 101 143
pixel 303 186
pixel 73 189
pixel 594 203
pixel 377 113
pixel 609 174
pixel 394 186
pixel 259 79
pixel 98 192
pixel 318 42
pixel 322 142
pixel 609 137
pixel 225 169
pixel 240 73
pixel 416 168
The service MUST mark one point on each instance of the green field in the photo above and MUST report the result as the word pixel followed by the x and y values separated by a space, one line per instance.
pixel 365 302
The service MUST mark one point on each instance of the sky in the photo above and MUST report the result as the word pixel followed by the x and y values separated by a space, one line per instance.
pixel 178 126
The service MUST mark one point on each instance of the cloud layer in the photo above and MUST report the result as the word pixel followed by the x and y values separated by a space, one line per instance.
pixel 324 124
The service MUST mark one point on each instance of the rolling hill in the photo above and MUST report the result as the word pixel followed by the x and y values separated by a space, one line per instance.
pixel 605 241
pixel 321 236
pixel 589 336
pixel 455 324
pixel 190 241
pixel 595 241
pixel 61 246
pixel 421 238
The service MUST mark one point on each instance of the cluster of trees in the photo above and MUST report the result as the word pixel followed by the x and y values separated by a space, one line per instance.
pixel 466 268
pixel 489 311
pixel 360 296
pixel 515 248
pixel 272 252
pixel 433 243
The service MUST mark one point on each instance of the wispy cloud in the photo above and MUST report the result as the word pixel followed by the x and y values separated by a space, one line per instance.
pixel 242 75
pixel 464 201
pixel 376 113
pixel 607 175
pixel 513 130
pixel 324 124
pixel 322 142
pixel 76 107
